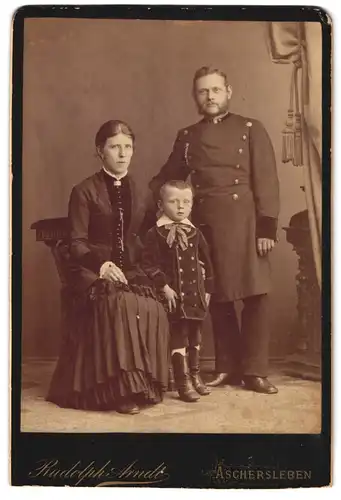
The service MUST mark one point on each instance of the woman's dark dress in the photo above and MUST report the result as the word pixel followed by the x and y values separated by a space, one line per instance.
pixel 116 343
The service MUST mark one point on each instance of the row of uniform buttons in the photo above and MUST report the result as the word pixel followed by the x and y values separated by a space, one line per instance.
pixel 236 181
pixel 235 196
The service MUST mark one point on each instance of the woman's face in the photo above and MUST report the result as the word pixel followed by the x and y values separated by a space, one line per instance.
pixel 116 153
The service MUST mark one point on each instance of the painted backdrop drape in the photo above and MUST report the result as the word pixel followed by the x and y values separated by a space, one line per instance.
pixel 300 44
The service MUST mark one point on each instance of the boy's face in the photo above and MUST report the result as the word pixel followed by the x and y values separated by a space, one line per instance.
pixel 176 203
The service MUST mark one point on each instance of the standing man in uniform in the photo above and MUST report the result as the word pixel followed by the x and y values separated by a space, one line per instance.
pixel 231 162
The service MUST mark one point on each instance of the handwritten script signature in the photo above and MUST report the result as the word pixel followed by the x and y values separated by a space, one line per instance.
pixel 102 474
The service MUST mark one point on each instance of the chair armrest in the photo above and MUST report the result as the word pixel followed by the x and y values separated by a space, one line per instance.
pixel 51 230
pixel 55 234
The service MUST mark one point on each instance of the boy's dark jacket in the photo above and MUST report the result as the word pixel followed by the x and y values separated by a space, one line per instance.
pixel 180 269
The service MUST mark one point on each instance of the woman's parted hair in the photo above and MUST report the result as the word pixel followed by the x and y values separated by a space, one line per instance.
pixel 110 129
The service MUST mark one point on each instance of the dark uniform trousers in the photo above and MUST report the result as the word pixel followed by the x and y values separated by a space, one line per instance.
pixel 241 351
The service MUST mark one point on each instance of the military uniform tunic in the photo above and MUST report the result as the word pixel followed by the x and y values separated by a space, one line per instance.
pixel 232 167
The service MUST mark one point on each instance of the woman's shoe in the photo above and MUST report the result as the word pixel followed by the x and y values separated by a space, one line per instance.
pixel 153 401
pixel 141 400
pixel 127 408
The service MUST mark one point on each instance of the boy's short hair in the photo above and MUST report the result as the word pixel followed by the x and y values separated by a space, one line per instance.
pixel 175 183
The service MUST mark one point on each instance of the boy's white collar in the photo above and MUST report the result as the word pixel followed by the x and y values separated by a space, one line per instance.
pixel 164 220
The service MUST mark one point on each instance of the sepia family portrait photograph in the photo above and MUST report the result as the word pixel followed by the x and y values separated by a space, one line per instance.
pixel 171 226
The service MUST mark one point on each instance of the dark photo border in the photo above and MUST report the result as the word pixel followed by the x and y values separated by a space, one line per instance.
pixel 169 460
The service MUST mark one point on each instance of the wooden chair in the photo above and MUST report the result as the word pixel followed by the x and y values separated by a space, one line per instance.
pixel 305 358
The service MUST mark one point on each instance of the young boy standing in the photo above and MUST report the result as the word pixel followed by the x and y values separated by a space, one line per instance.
pixel 171 257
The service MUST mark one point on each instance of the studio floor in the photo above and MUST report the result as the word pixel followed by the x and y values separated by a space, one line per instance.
pixel 295 409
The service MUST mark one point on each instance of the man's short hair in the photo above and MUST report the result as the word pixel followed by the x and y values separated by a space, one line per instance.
pixel 208 70
pixel 179 184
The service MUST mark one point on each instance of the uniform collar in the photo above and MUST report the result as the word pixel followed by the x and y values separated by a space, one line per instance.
pixel 164 220
pixel 217 119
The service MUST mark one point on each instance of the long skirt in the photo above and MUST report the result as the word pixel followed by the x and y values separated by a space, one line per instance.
pixel 115 348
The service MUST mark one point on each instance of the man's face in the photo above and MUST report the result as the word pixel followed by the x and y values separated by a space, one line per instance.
pixel 211 95
pixel 176 203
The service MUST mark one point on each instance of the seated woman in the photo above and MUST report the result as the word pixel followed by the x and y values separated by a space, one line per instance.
pixel 115 353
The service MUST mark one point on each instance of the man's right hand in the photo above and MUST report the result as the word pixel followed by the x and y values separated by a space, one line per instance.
pixel 111 272
pixel 171 297
pixel 264 246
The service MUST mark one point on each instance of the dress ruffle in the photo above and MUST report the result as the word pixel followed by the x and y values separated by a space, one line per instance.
pixel 115 347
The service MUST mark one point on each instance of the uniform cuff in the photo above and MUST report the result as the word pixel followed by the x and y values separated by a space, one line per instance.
pixel 266 228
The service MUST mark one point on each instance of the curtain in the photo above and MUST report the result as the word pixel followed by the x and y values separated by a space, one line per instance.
pixel 300 44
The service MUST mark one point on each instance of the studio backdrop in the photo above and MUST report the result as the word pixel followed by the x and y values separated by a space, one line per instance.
pixel 79 73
